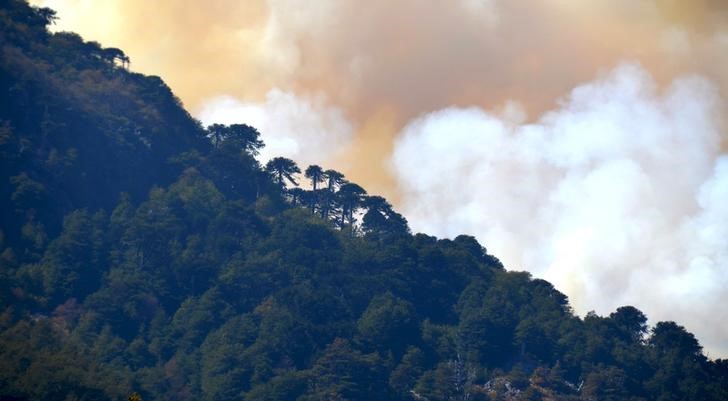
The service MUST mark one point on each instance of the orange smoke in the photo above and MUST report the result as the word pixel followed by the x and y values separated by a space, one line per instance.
pixel 384 63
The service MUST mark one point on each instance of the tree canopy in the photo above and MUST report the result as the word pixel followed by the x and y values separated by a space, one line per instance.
pixel 143 256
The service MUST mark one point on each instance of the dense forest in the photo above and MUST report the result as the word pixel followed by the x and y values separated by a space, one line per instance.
pixel 143 256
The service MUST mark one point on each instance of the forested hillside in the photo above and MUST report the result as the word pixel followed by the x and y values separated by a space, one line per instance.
pixel 141 253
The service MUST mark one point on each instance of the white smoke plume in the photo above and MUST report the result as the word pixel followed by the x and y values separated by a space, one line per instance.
pixel 306 130
pixel 618 197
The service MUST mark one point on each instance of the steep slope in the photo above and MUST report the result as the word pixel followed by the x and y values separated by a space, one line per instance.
pixel 77 127
pixel 142 253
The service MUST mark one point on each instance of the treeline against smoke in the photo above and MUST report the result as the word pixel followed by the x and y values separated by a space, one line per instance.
pixel 142 253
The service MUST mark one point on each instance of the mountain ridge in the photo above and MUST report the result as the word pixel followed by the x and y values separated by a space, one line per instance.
pixel 142 253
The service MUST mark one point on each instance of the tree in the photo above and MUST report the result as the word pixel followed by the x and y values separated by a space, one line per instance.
pixel 216 133
pixel 315 174
pixel 241 136
pixel 606 383
pixel 631 321
pixel 671 338
pixel 333 179
pixel 678 363
pixel 381 219
pixel 298 196
pixel 349 197
pixel 282 170
pixel 44 16
pixel 343 373
pixel 405 375
pixel 387 324
pixel 113 54
pixel 72 262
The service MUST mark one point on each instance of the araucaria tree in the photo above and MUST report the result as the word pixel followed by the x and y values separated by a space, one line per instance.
pixel 333 180
pixel 349 198
pixel 380 218
pixel 242 136
pixel 282 170
pixel 316 174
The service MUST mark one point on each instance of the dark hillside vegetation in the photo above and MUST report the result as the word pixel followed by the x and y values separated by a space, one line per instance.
pixel 142 253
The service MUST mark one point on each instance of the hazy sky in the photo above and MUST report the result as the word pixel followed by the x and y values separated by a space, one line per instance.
pixel 584 141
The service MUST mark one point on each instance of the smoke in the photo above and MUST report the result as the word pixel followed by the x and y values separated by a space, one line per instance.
pixel 615 181
pixel 617 197
pixel 386 62
pixel 303 129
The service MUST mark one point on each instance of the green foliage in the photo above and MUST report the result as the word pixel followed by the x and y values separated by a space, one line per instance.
pixel 387 324
pixel 347 374
pixel 404 376
pixel 607 383
pixel 213 278
pixel 381 221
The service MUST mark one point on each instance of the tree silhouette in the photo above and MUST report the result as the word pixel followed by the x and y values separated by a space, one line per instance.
pixel 240 136
pixel 282 170
pixel 333 179
pixel 349 197
pixel 381 218
pixel 216 133
pixel 631 321
pixel 671 338
pixel 376 215
pixel 43 16
pixel 298 196
pixel 316 174
pixel 113 54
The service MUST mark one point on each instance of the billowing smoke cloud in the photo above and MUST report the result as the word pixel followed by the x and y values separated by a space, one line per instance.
pixel 617 197
pixel 386 62
pixel 305 130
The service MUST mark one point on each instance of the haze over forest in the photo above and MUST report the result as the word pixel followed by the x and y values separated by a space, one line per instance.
pixel 148 255
pixel 583 141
